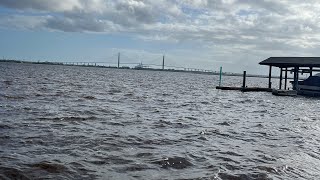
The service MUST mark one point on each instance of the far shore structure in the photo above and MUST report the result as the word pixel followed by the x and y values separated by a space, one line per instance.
pixel 293 65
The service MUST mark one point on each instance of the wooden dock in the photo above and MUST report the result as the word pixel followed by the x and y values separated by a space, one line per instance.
pixel 245 89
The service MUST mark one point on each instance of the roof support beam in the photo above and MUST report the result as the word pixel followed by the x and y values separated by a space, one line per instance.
pixel 295 78
pixel 285 79
pixel 280 83
pixel 270 73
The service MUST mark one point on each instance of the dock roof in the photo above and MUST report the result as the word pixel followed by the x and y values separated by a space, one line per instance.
pixel 284 62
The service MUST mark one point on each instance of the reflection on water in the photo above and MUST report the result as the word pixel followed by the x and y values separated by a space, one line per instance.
pixel 91 123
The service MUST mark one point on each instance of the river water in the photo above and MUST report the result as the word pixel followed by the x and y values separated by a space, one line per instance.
pixel 64 122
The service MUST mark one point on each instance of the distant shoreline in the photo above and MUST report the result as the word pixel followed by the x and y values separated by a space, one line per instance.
pixel 140 68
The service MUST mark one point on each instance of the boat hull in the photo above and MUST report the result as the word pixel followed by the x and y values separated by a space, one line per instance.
pixel 306 90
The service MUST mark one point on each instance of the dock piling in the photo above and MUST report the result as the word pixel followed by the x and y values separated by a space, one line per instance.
pixel 280 83
pixel 285 79
pixel 244 79
pixel 296 78
pixel 163 63
pixel 118 60
pixel 270 72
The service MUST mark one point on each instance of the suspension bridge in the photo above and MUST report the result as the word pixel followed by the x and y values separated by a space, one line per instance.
pixel 121 61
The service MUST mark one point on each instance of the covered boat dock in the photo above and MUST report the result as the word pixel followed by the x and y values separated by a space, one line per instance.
pixel 293 65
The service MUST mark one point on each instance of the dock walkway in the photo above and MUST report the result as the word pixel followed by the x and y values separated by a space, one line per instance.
pixel 245 89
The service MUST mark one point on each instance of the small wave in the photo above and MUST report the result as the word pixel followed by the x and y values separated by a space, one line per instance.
pixel 224 123
pixel 163 141
pixel 128 94
pixel 259 126
pixel 260 176
pixel 163 124
pixel 12 173
pixel 268 169
pixel 35 140
pixel 115 124
pixel 166 94
pixel 314 155
pixel 118 160
pixel 231 167
pixel 82 171
pixel 261 111
pixel 245 101
pixel 226 159
pixel 5 126
pixel 114 91
pixel 89 97
pixel 205 102
pixel 5 137
pixel 68 118
pixel 267 158
pixel 139 155
pixel 8 82
pixel 191 118
pixel 214 132
pixel 274 170
pixel 58 94
pixel 231 153
pixel 175 163
pixel 198 158
pixel 13 97
pixel 98 162
pixel 284 129
pixel 133 168
pixel 203 138
pixel 50 167
pixel 304 119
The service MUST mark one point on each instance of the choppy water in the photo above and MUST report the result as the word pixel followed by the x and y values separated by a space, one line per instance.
pixel 91 123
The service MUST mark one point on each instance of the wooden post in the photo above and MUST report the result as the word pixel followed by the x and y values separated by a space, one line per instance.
pixel 296 77
pixel 280 83
pixel 118 60
pixel 270 71
pixel 220 78
pixel 285 79
pixel 244 79
pixel 163 63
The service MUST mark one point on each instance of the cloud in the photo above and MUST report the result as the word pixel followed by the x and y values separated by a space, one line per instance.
pixel 22 22
pixel 261 27
pixel 59 5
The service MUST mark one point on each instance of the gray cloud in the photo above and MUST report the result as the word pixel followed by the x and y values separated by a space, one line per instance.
pixel 42 5
pixel 238 26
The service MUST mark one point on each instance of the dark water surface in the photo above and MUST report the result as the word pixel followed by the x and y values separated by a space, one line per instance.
pixel 64 122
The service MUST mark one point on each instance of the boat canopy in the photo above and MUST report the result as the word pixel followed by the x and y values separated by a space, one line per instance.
pixel 285 62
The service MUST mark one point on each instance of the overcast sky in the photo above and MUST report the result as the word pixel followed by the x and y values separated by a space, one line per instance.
pixel 235 34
